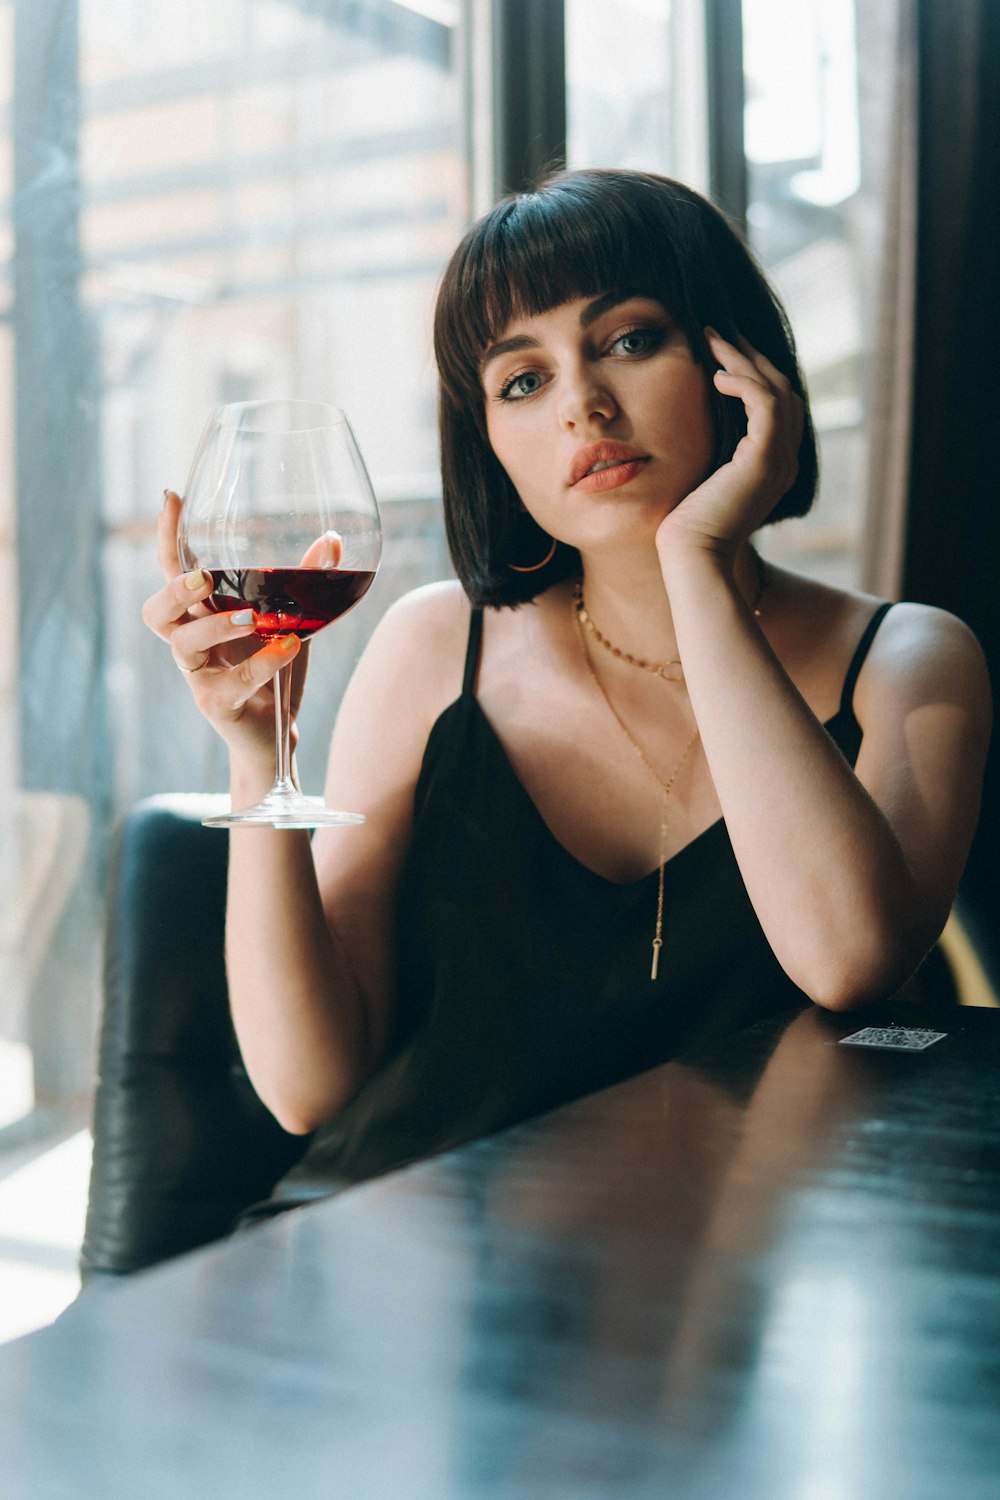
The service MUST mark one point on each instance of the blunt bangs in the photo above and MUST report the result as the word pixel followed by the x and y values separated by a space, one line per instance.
pixel 537 250
pixel 585 234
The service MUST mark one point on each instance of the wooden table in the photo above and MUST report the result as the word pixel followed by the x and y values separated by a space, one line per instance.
pixel 770 1271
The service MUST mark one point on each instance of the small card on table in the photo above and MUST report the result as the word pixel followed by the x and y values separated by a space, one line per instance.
pixel 894 1038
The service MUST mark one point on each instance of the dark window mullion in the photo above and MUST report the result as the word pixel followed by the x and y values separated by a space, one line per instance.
pixel 529 91
pixel 726 99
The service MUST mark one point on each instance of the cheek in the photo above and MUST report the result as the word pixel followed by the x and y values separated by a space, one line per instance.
pixel 698 418
pixel 513 448
pixel 709 422
pixel 496 435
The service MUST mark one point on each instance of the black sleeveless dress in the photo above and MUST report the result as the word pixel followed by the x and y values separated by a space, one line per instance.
pixel 524 976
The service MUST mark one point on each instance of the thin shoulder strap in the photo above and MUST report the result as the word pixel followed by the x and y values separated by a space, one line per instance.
pixel 472 654
pixel 858 659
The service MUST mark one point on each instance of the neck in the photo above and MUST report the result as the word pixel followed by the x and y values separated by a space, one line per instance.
pixel 626 598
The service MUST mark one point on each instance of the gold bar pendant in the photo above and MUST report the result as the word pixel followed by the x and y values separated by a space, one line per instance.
pixel 657 945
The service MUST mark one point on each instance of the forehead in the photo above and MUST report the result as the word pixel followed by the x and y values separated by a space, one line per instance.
pixel 523 328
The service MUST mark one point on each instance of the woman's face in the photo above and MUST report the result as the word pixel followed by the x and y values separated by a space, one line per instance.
pixel 601 417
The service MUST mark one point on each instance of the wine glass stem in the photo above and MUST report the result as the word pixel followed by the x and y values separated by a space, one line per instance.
pixel 282 731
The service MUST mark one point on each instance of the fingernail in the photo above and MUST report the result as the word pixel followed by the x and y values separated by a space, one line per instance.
pixel 241 617
pixel 329 559
pixel 196 580
pixel 288 642
pixel 166 497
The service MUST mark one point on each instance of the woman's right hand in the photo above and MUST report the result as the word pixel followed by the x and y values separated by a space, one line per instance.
pixel 231 682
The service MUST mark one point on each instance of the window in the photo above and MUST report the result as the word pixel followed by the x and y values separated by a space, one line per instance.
pixel 811 217
pixel 815 132
pixel 203 203
pixel 635 86
pixel 213 202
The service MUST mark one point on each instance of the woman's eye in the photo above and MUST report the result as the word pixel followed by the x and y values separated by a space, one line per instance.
pixel 519 386
pixel 638 341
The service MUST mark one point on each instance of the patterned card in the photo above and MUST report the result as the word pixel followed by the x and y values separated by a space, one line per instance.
pixel 895 1038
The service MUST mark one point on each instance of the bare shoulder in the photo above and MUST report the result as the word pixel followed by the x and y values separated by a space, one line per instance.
pixel 924 695
pixel 435 606
pixel 909 636
pixel 432 613
pixel 924 654
pixel 920 655
pixel 409 672
pixel 413 662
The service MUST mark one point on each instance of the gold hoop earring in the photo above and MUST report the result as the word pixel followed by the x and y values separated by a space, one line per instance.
pixel 536 567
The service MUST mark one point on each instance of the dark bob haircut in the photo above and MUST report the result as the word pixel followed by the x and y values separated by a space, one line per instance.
pixel 581 234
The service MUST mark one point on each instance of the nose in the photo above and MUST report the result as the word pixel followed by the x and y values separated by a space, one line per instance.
pixel 584 398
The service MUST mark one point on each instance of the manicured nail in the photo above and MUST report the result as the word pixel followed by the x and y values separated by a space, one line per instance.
pixel 166 497
pixel 196 580
pixel 241 617
pixel 328 559
pixel 288 642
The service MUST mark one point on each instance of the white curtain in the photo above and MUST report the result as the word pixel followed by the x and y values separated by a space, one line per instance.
pixel 890 395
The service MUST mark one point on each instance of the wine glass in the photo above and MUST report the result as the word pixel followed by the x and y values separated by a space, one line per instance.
pixel 280 510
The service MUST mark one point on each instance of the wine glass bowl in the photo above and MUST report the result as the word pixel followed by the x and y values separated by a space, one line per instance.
pixel 280 511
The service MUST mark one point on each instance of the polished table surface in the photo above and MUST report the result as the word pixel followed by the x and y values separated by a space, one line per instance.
pixel 768 1271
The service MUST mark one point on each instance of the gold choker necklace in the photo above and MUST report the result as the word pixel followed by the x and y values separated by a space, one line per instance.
pixel 658 668
pixel 666 787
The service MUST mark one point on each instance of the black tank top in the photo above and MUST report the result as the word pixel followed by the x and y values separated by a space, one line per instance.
pixel 523 976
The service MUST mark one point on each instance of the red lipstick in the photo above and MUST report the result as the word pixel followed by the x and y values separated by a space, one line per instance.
pixel 617 463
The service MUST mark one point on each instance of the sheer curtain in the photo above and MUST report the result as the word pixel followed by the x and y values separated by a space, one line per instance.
pixel 823 79
pixel 890 400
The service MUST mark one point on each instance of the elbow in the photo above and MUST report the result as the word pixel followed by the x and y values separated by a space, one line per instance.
pixel 301 1098
pixel 843 997
pixel 862 956
pixel 296 1112
pixel 298 1116
pixel 294 1122
pixel 300 1113
pixel 866 974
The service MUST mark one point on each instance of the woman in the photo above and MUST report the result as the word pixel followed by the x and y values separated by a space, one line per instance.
pixel 679 790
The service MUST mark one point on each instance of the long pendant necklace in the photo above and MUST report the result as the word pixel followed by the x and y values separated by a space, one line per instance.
pixel 659 669
pixel 666 787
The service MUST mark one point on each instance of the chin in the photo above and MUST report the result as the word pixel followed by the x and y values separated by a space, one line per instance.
pixel 636 538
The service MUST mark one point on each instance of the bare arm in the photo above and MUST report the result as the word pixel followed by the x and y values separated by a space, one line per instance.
pixel 312 1034
pixel 851 874
pixel 309 927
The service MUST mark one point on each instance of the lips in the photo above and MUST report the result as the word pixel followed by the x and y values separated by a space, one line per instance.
pixel 610 457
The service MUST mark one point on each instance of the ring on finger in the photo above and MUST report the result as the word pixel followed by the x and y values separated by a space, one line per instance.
pixel 190 671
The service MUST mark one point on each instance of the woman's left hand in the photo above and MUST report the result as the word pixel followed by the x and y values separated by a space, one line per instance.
pixel 736 498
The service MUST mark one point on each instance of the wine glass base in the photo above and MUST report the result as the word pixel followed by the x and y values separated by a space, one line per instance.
pixel 285 812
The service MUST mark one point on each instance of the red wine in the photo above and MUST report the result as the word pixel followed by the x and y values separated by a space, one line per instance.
pixel 289 601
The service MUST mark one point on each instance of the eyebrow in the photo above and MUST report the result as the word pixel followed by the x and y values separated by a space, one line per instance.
pixel 507 346
pixel 589 315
